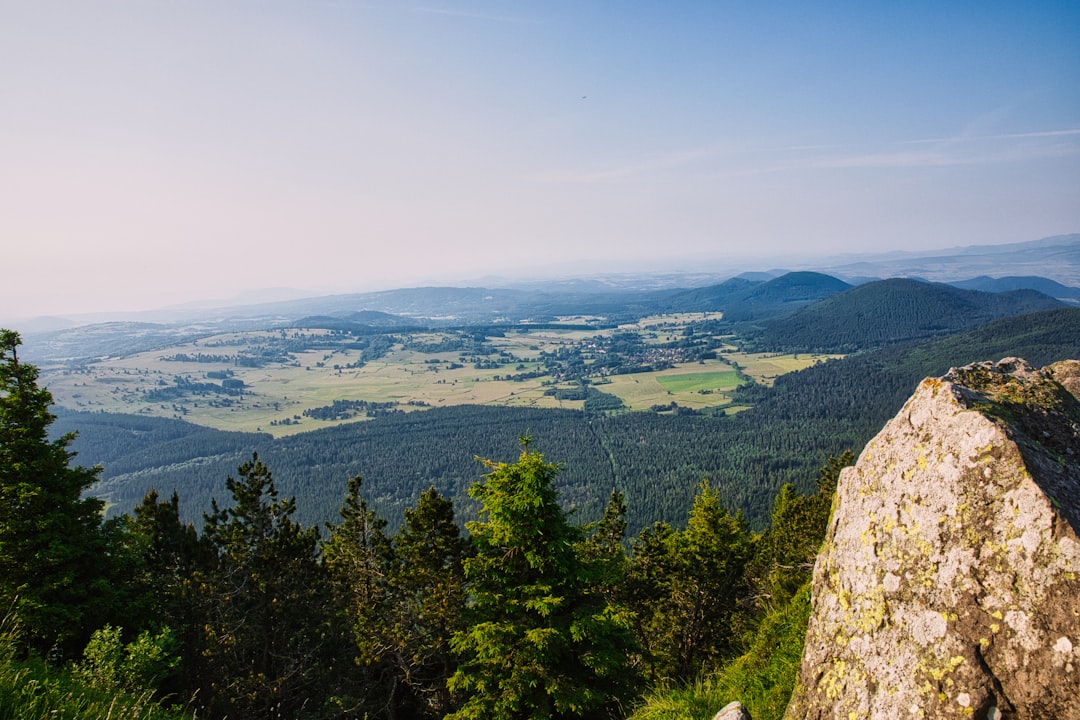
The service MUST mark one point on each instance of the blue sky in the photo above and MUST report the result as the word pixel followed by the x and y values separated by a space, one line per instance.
pixel 159 151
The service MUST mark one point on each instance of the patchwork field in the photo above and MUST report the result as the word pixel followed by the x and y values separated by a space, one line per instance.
pixel 320 380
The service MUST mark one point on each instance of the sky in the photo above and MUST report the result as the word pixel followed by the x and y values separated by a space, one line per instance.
pixel 154 152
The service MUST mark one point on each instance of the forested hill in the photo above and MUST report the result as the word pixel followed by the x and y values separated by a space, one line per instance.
pixel 892 311
pixel 742 299
pixel 656 460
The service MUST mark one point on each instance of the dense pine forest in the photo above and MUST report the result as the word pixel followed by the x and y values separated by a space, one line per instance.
pixel 476 563
pixel 656 461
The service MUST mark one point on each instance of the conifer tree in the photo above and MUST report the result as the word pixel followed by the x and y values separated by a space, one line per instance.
pixel 686 586
pixel 51 547
pixel 155 557
pixel 543 643
pixel 358 556
pixel 604 552
pixel 786 552
pixel 264 603
pixel 427 582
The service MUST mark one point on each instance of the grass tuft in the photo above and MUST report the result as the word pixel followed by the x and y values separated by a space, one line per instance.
pixel 762 679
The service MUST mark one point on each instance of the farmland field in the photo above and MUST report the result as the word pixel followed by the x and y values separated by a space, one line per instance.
pixel 284 383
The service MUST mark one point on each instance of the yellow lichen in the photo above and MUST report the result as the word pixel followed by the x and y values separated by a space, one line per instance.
pixel 873 611
pixel 832 680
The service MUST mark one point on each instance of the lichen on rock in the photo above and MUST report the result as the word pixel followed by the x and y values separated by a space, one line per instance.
pixel 948 582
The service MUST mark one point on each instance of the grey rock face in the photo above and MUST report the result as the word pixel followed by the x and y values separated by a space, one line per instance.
pixel 732 711
pixel 949 582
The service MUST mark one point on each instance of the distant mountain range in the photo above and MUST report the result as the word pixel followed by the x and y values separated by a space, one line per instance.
pixel 1026 282
pixel 1050 265
pixel 1056 258
pixel 755 297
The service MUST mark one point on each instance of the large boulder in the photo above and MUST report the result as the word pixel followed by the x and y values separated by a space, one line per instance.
pixel 949 581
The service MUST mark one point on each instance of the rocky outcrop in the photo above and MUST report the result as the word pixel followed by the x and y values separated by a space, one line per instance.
pixel 949 582
pixel 732 711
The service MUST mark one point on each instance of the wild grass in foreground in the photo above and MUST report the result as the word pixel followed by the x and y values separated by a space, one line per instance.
pixel 762 679
pixel 31 689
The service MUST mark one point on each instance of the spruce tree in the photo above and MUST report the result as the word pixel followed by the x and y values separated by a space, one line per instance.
pixel 358 556
pixel 264 602
pixel 51 547
pixel 685 587
pixel 427 582
pixel 543 643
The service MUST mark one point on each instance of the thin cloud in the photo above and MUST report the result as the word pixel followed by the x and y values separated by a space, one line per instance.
pixel 473 15
pixel 1002 136
pixel 718 161
pixel 967 150
pixel 895 160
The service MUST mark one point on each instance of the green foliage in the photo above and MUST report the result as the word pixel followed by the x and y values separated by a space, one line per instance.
pixel 686 587
pixel 357 556
pixel 887 312
pixel 427 583
pixel 762 679
pixel 136 667
pixel 51 547
pixel 785 553
pixel 30 689
pixel 778 581
pixel 542 642
pixel 603 549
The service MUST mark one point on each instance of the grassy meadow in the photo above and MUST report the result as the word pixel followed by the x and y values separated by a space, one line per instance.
pixel 276 394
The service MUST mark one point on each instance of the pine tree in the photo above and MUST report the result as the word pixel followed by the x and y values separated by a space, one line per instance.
pixel 786 552
pixel 264 603
pixel 51 546
pixel 543 643
pixel 686 586
pixel 427 583
pixel 358 556
pixel 155 557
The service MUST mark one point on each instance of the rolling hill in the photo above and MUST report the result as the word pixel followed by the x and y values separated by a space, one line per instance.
pixel 741 300
pixel 892 311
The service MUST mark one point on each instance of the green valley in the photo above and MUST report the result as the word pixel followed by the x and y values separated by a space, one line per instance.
pixel 288 381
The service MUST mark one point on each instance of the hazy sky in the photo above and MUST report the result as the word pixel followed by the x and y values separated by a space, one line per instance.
pixel 158 151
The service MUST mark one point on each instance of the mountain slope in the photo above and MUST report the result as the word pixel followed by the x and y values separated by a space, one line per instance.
pixel 713 297
pixel 892 311
pixel 740 299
